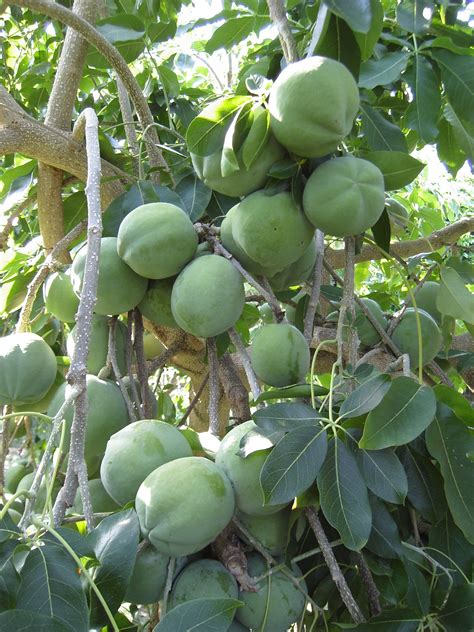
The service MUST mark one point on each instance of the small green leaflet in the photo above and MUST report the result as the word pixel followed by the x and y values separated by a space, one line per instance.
pixel 383 71
pixel 454 299
pixel 365 397
pixel 200 615
pixel 384 475
pixel 257 137
pixel 398 168
pixel 410 15
pixel 381 134
pixel 293 464
pixel 454 400
pixel 384 538
pixel 406 410
pixel 229 160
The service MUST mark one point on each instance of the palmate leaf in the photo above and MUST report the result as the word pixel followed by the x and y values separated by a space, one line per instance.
pixel 200 615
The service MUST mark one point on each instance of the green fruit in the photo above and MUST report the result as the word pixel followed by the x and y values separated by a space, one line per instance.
pixel 280 354
pixel 365 330
pixel 156 304
pixel 244 474
pixel 106 414
pixel 405 336
pixel 149 574
pixel 100 499
pixel 137 450
pixel 278 603
pixel 344 196
pixel 296 272
pixel 43 404
pixel 425 299
pixel 14 474
pixel 208 296
pixel 26 483
pixel 313 104
pixel 266 313
pixel 99 344
pixel 203 579
pixel 152 346
pixel 398 216
pixel 157 240
pixel 59 297
pixel 183 505
pixel 120 289
pixel 27 369
pixel 271 531
pixel 271 229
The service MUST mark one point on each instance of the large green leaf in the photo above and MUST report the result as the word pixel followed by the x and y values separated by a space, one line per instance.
pixel 293 464
pixel 425 485
pixel 339 43
pixel 423 112
pixel 200 615
pixel 365 397
pixel 285 416
pixel 357 13
pixel 419 595
pixel 406 410
pixel 457 74
pixel 233 31
pixel 383 71
pixel 125 32
pixel 367 41
pixel 51 586
pixel 398 168
pixel 381 134
pixel 454 299
pixel 411 15
pixel 448 148
pixel 448 545
pixel 463 130
pixel 23 620
pixel 384 475
pixel 9 578
pixel 384 538
pixel 115 543
pixel 343 496
pixel 458 613
pixel 449 441
pixel 454 400
pixel 194 195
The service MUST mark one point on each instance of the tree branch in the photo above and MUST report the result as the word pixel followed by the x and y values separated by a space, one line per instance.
pixel 213 386
pixel 287 40
pixel 315 287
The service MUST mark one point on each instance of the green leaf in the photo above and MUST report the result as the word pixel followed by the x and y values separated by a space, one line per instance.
pixel 339 43
pixel 381 134
pixel 448 545
pixel 447 146
pixel 411 15
pixel 293 464
pixel 229 160
pixel 454 400
pixel 51 586
pixel 22 620
pixel 343 496
pixel 425 485
pixel 399 169
pixel 290 392
pixel 285 416
pixel 454 299
pixel 194 196
pixel 206 133
pixel 458 613
pixel 446 42
pixel 169 81
pixel 357 13
pixel 457 75
pixel 382 231
pixel 418 596
pixel 463 131
pixel 233 31
pixel 423 112
pixel 256 139
pixel 115 542
pixel 383 71
pixel 384 475
pixel 398 620
pixel 449 440
pixel 384 538
pixel 9 578
pixel 368 40
pixel 125 32
pixel 406 410
pixel 365 397
pixel 200 615
pixel 283 169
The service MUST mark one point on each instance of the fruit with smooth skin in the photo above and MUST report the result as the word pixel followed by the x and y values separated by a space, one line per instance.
pixel 120 289
pixel 157 240
pixel 277 603
pixel 365 330
pixel 244 474
pixel 296 272
pixel 60 300
pixel 149 574
pixel 280 354
pixel 152 346
pixel 183 505
pixel 271 229
pixel 405 336
pixel 425 299
pixel 27 368
pixel 272 531
pixel 156 304
pixel 313 104
pixel 203 579
pixel 135 451
pixel 106 414
pixel 344 196
pixel 99 344
pixel 43 404
pixel 208 296
pixel 100 499
pixel 14 474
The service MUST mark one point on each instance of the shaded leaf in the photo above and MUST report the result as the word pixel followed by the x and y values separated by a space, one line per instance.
pixel 398 169
pixel 381 133
pixel 454 400
pixel 240 122
pixel 233 31
pixel 367 41
pixel 383 71
pixel 453 298
pixel 365 397
pixel 384 538
pixel 407 409
pixel 384 475
pixel 257 137
pixel 23 620
pixel 422 113
pixel 9 578
pixel 194 196
pixel 200 615
pixel 448 545
pixel 399 620
pixel 457 74
pixel 447 146
pixel 295 390
pixel 357 13
pixel 458 613
pixel 339 43
pixel 285 416
pixel 411 15
pixel 463 131
pixel 382 231
pixel 418 595
pixel 425 485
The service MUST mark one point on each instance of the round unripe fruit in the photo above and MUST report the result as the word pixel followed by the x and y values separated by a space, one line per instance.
pixel 278 602
pixel 280 354
pixel 120 289
pixel 13 476
pixel 271 229
pixel 271 531
pixel 397 214
pixel 365 330
pixel 244 474
pixel 313 104
pixel 208 296
pixel 183 505
pixel 27 368
pixel 106 414
pixel 60 299
pixel 152 346
pixel 344 196
pixel 156 304
pixel 157 240
pixel 134 452
pixel 100 499
pixel 425 299
pixel 203 579
pixel 405 336
pixel 296 272
pixel 149 574
pixel 99 344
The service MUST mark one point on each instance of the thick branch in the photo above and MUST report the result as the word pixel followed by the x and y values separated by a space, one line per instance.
pixel 234 389
pixel 279 18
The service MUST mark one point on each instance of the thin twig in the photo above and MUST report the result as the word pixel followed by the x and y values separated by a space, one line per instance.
pixel 129 363
pixel 234 389
pixel 315 288
pixel 112 357
pixel 142 371
pixel 242 351
pixel 129 123
pixel 213 386
pixel 287 40
pixel 347 308
pixel 169 581
pixel 3 449
pixel 162 359
pixel 371 589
